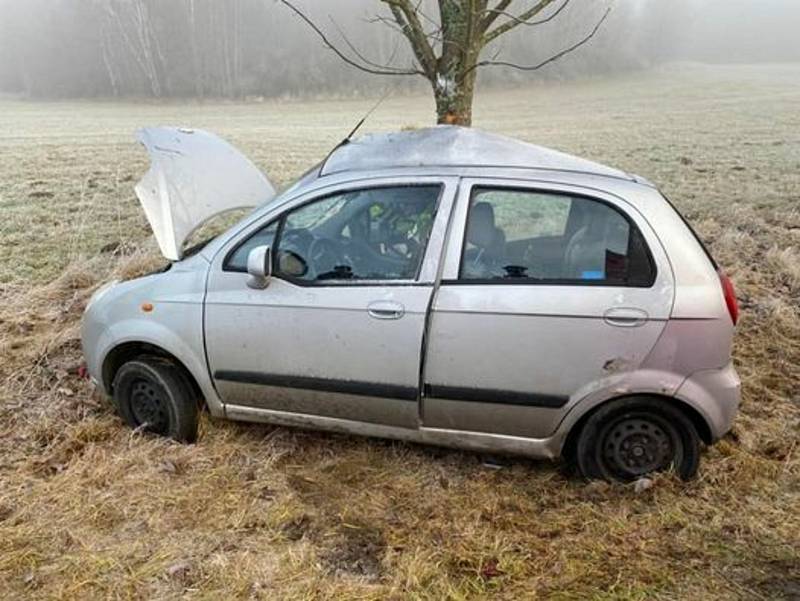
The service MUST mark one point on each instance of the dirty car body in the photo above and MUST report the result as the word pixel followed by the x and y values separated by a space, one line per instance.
pixel 442 286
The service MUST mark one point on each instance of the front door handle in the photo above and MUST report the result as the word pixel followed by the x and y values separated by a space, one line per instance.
pixel 625 317
pixel 386 310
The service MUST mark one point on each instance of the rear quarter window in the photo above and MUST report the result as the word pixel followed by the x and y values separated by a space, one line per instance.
pixel 692 231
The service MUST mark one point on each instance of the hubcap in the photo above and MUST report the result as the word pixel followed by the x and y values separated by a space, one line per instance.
pixel 149 407
pixel 635 446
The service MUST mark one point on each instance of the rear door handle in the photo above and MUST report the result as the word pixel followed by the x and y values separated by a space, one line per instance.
pixel 625 317
pixel 386 310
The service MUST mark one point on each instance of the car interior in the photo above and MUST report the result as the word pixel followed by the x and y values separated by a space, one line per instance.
pixel 382 233
pixel 374 234
pixel 590 242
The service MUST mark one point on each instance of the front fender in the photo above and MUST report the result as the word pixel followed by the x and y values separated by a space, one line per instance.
pixel 186 346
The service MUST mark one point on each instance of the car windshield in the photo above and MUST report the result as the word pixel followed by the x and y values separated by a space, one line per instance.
pixel 308 176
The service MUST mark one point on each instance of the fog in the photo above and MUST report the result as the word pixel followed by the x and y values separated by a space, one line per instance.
pixel 247 48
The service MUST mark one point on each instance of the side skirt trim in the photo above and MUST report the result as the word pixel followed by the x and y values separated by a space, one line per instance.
pixel 355 388
pixel 546 448
pixel 392 391
pixel 501 397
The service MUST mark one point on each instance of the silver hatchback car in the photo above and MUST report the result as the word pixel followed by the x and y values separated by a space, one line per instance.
pixel 441 286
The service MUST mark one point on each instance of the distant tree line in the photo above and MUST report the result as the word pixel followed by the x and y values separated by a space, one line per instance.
pixel 158 48
pixel 245 48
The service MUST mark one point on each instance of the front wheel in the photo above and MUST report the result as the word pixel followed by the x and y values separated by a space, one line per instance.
pixel 153 394
pixel 629 438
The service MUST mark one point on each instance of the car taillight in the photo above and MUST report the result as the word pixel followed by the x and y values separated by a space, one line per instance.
pixel 730 296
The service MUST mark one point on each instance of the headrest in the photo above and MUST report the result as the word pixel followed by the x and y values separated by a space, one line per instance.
pixel 481 230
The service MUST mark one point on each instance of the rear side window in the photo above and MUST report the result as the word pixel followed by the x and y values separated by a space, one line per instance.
pixel 518 236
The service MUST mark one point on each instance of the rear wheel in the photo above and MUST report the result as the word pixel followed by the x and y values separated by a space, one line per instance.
pixel 154 395
pixel 629 438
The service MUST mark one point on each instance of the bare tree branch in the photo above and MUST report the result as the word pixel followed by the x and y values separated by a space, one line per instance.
pixel 431 20
pixel 516 21
pixel 406 16
pixel 386 22
pixel 432 36
pixel 493 13
pixel 361 56
pixel 555 57
pixel 384 70
pixel 547 19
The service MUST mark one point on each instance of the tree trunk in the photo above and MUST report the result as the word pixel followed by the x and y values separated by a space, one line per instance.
pixel 454 99
pixel 462 42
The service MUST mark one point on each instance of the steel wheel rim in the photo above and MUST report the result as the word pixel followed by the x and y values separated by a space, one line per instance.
pixel 633 446
pixel 148 406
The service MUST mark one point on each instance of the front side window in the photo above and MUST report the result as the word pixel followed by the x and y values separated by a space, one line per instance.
pixel 524 235
pixel 370 234
pixel 237 261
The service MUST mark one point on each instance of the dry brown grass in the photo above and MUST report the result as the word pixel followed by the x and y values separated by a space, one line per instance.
pixel 89 509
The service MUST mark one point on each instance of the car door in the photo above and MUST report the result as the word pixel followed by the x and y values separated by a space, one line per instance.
pixel 338 331
pixel 546 293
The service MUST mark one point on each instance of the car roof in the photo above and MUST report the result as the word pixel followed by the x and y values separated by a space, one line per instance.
pixel 453 146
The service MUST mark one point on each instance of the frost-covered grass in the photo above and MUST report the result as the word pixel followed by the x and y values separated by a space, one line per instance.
pixel 90 510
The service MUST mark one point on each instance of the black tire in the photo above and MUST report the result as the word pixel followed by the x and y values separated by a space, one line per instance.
pixel 629 438
pixel 153 394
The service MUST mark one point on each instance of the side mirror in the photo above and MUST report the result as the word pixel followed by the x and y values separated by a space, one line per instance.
pixel 259 266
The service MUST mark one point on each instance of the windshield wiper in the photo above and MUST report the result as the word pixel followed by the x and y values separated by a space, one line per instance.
pixel 193 250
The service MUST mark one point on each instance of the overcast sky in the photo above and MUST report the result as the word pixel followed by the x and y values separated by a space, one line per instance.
pixel 66 48
pixel 742 30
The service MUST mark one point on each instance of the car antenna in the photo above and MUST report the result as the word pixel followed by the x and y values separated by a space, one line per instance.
pixel 353 132
pixel 365 117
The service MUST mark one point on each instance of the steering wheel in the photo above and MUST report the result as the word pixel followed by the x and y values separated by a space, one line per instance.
pixel 394 248
pixel 323 256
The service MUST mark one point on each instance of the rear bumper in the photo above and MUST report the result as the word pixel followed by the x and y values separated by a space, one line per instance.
pixel 716 393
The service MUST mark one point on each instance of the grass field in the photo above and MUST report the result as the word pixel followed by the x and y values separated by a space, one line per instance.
pixel 89 509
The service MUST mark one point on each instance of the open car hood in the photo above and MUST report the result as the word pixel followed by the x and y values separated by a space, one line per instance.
pixel 194 176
